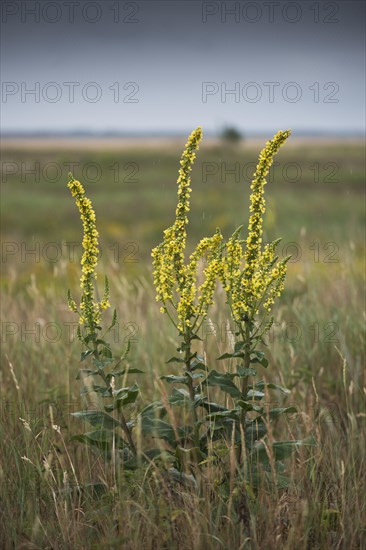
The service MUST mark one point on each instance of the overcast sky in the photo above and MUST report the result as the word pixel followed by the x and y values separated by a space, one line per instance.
pixel 169 66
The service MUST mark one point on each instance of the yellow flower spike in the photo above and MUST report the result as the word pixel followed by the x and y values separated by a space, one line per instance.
pixel 262 278
pixel 168 257
pixel 231 263
pixel 257 201
pixel 176 281
pixel 104 303
pixel 90 309
pixel 71 302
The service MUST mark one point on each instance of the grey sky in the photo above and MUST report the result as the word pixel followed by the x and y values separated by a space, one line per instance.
pixel 149 67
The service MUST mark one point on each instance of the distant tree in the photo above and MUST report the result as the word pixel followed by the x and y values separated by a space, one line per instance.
pixel 231 135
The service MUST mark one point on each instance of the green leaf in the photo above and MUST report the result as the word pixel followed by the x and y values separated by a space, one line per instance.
pixel 249 406
pixel 126 396
pixel 195 375
pixel 281 449
pixel 158 428
pixel 98 419
pixel 99 341
pixel 86 354
pixel 241 348
pixel 159 454
pixel 198 364
pixel 255 479
pixel 102 390
pixel 261 385
pixel 102 439
pixel 172 379
pixel 212 407
pixel 102 363
pixel 254 430
pixel 260 358
pixel 179 397
pixel 152 408
pixel 254 394
pixel 90 337
pixel 258 355
pixel 183 347
pixel 122 372
pixel 106 352
pixel 244 372
pixel 282 482
pixel 276 412
pixel 184 479
pixel 224 382
pixel 132 371
pixel 232 414
pixel 225 356
pixel 175 360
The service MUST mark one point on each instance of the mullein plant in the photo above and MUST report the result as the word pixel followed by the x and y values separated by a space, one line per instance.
pixel 253 277
pixel 185 300
pixel 104 367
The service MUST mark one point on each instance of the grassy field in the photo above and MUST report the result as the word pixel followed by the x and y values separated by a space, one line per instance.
pixel 316 203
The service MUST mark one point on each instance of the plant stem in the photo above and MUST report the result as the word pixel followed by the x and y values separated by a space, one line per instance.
pixel 127 431
pixel 187 362
pixel 122 418
pixel 244 384
pixel 246 356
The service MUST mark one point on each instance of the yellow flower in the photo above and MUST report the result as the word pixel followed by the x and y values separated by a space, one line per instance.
pixel 175 281
pixel 90 309
pixel 262 278
pixel 104 304
pixel 168 257
pixel 195 300
pixel 257 201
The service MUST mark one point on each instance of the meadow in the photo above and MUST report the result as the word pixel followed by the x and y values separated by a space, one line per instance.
pixel 316 348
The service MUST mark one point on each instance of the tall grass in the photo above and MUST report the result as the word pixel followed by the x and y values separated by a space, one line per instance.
pixel 56 493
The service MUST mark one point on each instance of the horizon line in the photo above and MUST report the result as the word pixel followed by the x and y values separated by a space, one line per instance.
pixel 80 132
